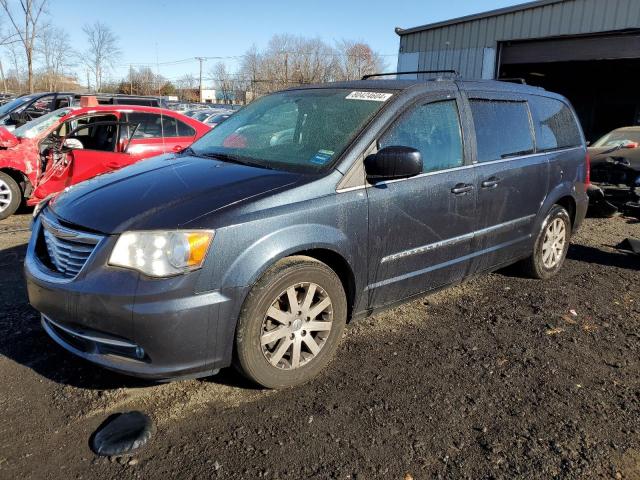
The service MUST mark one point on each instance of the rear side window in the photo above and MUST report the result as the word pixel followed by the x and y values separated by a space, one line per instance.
pixel 434 129
pixel 152 125
pixel 184 130
pixel 555 124
pixel 503 129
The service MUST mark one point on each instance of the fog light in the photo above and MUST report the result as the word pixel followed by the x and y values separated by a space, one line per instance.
pixel 140 352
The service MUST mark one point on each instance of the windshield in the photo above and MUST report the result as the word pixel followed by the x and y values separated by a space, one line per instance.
pixel 300 130
pixel 33 128
pixel 218 118
pixel 201 115
pixel 13 104
pixel 617 137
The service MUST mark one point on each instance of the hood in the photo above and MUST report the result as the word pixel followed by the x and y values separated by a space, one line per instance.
pixel 7 139
pixel 163 193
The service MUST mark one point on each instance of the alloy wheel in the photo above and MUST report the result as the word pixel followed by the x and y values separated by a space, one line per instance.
pixel 6 195
pixel 555 238
pixel 296 326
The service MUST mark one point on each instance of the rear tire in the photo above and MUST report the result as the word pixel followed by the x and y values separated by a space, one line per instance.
pixel 10 196
pixel 552 243
pixel 291 323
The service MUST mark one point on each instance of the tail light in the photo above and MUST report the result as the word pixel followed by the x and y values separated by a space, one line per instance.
pixel 587 176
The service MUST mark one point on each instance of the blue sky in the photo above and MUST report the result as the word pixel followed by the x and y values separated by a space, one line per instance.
pixel 164 31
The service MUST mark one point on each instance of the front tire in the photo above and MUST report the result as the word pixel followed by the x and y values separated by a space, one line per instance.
pixel 552 244
pixel 291 323
pixel 10 196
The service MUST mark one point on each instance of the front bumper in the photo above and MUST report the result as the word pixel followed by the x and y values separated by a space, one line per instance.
pixel 151 328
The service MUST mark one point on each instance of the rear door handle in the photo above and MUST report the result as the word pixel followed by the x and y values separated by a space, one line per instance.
pixel 461 188
pixel 490 182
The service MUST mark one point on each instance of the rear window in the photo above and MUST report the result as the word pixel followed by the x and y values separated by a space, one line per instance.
pixel 503 129
pixel 554 123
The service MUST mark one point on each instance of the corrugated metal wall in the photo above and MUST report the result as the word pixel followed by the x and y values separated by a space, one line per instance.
pixel 462 45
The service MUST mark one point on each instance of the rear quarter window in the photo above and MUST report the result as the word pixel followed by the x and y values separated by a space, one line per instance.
pixel 503 129
pixel 555 125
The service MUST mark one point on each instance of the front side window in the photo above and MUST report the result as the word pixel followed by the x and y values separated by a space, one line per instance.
pixel 503 129
pixel 297 130
pixel 556 126
pixel 434 129
pixel 97 132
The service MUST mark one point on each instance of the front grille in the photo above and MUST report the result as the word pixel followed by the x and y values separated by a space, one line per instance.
pixel 66 250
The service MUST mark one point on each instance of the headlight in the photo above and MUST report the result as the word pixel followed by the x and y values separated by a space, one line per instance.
pixel 161 254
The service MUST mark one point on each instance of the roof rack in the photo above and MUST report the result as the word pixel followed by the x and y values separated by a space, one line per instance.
pixel 388 74
pixel 513 80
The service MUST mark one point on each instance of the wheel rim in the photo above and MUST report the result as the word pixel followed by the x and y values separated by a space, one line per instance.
pixel 296 326
pixel 5 195
pixel 555 237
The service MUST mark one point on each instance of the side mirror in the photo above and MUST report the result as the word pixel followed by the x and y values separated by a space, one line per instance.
pixel 72 144
pixel 393 162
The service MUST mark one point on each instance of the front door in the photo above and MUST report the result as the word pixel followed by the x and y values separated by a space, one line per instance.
pixel 421 228
pixel 92 148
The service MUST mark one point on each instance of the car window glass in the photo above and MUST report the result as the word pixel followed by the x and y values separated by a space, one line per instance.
pixel 185 130
pixel 434 129
pixel 493 119
pixel 302 130
pixel 555 124
pixel 93 132
pixel 148 125
pixel 40 106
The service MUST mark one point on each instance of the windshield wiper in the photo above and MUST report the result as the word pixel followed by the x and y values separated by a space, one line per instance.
pixel 229 158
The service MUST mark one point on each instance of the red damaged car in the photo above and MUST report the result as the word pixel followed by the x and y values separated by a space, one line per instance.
pixel 73 144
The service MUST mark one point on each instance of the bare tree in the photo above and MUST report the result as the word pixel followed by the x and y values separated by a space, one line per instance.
pixel 25 22
pixel 57 54
pixel 187 85
pixel 357 59
pixel 142 81
pixel 225 82
pixel 103 51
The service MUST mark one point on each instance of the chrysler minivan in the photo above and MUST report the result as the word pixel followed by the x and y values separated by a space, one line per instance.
pixel 307 208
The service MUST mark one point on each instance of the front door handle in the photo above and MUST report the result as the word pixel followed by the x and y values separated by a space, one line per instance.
pixel 490 182
pixel 462 188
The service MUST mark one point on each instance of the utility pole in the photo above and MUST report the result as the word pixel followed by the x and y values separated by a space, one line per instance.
pixel 130 79
pixel 4 80
pixel 201 59
pixel 88 82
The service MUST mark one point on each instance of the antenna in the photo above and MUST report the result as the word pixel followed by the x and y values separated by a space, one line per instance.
pixel 160 104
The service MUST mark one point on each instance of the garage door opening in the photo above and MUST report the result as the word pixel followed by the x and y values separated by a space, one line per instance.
pixel 603 90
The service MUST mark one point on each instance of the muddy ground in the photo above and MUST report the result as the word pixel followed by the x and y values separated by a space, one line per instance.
pixel 495 378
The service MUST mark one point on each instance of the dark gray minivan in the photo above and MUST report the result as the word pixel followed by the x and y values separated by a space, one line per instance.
pixel 305 209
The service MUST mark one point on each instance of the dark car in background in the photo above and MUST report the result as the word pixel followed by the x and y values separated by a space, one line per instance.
pixel 615 172
pixel 25 108
pixel 306 208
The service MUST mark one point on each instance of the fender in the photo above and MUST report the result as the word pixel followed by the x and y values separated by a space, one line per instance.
pixel 563 189
pixel 256 259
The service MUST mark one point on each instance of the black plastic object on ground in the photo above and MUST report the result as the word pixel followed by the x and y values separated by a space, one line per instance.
pixel 122 433
pixel 631 245
pixel 598 204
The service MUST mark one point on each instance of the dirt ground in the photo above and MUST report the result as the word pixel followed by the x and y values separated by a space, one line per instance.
pixel 501 377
